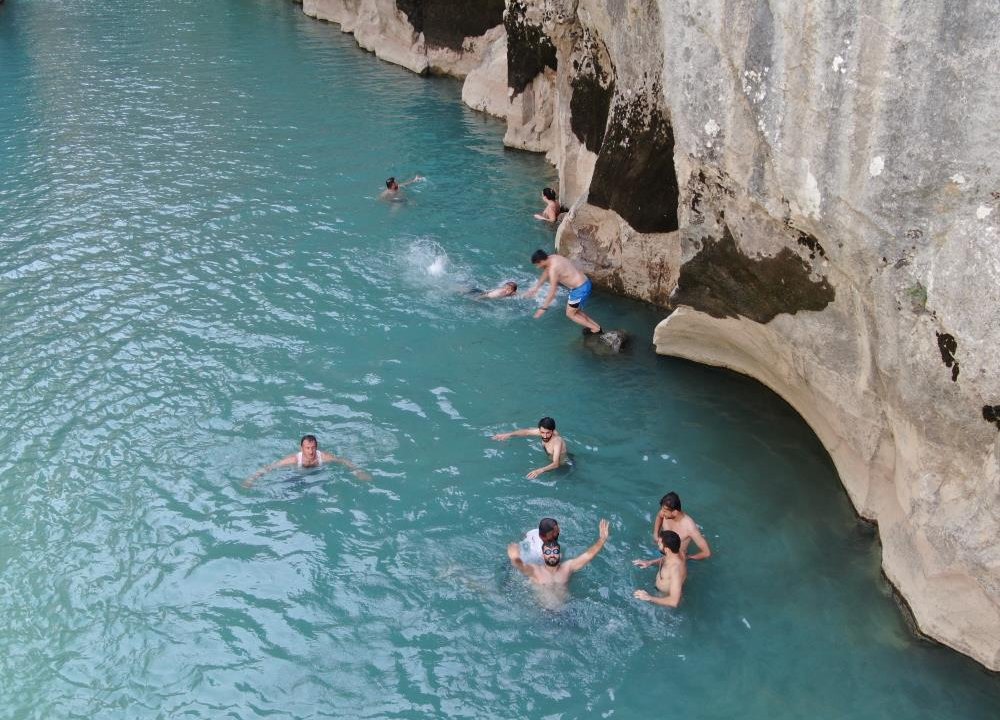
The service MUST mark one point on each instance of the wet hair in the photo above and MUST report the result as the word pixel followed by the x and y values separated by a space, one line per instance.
pixel 549 193
pixel 547 423
pixel 389 182
pixel 546 525
pixel 538 256
pixel 671 501
pixel 511 284
pixel 308 437
pixel 671 540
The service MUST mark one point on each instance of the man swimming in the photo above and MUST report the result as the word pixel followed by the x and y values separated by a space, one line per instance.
pixel 308 456
pixel 552 443
pixel 671 517
pixel 552 577
pixel 546 532
pixel 392 187
pixel 672 574
pixel 558 270
pixel 508 289
pixel 552 207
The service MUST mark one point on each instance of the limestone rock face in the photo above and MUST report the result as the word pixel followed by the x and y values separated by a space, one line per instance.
pixel 812 189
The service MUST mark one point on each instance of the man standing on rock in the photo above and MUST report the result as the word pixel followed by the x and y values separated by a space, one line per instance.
pixel 558 270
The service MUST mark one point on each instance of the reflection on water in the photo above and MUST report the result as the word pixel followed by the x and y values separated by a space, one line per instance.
pixel 196 270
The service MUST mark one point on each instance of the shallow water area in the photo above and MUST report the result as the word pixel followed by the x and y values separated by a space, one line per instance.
pixel 196 270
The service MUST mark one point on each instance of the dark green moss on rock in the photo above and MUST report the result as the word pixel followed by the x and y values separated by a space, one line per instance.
pixel 593 89
pixel 446 23
pixel 634 174
pixel 723 282
pixel 529 49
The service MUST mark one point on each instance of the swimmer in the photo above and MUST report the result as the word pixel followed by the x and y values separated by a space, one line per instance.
pixel 671 517
pixel 552 207
pixel 392 187
pixel 558 270
pixel 547 532
pixel 551 578
pixel 672 574
pixel 508 289
pixel 552 443
pixel 309 456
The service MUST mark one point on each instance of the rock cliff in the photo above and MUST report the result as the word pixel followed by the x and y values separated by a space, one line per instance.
pixel 813 190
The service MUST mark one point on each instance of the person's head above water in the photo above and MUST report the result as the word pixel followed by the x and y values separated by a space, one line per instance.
pixel 511 286
pixel 551 553
pixel 539 257
pixel 670 540
pixel 671 504
pixel 546 426
pixel 392 184
pixel 309 446
pixel 548 529
pixel 549 194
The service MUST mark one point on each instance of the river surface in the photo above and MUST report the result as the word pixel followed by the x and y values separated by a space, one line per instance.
pixel 195 271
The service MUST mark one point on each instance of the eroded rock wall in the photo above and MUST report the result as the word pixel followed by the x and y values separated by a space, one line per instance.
pixel 813 189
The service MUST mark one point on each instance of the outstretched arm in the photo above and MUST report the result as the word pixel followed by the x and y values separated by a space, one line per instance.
pixel 581 561
pixel 553 288
pixel 523 432
pixel 358 472
pixel 647 563
pixel 287 461
pixel 514 553
pixel 534 288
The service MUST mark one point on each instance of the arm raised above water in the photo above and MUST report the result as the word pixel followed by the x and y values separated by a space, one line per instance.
pixel 581 561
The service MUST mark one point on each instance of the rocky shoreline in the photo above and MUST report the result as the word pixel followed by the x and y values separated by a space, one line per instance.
pixel 813 192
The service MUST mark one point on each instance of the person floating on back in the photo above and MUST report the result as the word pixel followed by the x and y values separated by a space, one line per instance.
pixel 552 577
pixel 558 270
pixel 552 443
pixel 392 187
pixel 552 207
pixel 672 574
pixel 309 456
pixel 671 517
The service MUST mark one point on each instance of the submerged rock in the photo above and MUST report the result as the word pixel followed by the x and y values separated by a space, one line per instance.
pixel 607 342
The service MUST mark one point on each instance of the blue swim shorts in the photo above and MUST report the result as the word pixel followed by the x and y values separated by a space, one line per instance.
pixel 578 295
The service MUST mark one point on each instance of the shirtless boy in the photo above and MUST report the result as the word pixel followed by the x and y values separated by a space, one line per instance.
pixel 552 443
pixel 671 517
pixel 672 574
pixel 558 270
pixel 309 456
pixel 551 579
pixel 552 206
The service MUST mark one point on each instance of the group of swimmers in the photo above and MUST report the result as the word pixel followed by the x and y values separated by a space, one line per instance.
pixel 542 563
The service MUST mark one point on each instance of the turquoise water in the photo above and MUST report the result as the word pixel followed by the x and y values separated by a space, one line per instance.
pixel 195 271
